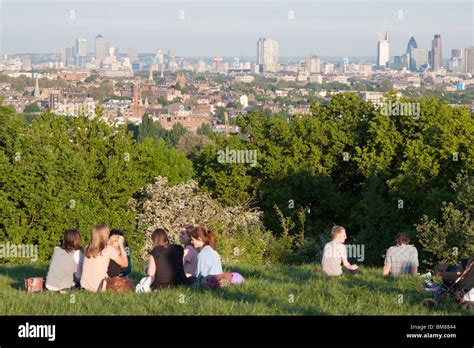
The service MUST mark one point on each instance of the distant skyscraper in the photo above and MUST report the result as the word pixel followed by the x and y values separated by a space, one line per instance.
pixel 101 48
pixel 400 62
pixel 468 60
pixel 113 51
pixel 159 58
pixel 171 59
pixel 418 59
pixel 218 64
pixel 80 51
pixel 132 55
pixel 436 54
pixel 455 63
pixel 267 54
pixel 383 51
pixel 313 64
pixel 67 55
pixel 411 45
pixel 81 47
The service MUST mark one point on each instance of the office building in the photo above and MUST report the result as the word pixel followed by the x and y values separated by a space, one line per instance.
pixel 383 51
pixel 436 54
pixel 313 65
pixel 80 52
pixel 419 59
pixel 132 54
pixel 267 55
pixel 102 48
pixel 468 60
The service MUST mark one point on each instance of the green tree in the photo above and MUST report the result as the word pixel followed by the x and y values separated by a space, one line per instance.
pixel 32 108
pixel 150 129
pixel 452 239
pixel 204 129
pixel 225 179
pixel 59 173
pixel 172 137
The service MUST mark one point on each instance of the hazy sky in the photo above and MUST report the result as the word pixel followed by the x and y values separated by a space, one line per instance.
pixel 232 28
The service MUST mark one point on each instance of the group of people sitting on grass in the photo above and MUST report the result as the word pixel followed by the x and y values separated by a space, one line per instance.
pixel 399 259
pixel 106 261
pixel 107 257
pixel 403 259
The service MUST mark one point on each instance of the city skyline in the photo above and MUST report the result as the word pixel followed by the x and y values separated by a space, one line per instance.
pixel 235 30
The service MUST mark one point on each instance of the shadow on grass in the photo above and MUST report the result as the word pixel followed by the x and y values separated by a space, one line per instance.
pixel 393 286
pixel 18 273
pixel 290 274
pixel 288 309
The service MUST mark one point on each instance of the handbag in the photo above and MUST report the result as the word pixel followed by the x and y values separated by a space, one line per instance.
pixel 120 284
pixel 35 284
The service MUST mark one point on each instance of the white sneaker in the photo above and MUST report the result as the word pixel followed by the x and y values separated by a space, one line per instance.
pixel 426 275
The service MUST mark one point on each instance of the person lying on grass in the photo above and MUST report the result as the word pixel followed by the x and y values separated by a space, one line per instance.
pixel 115 270
pixel 165 262
pixel 97 258
pixel 335 253
pixel 190 253
pixel 65 269
pixel 401 258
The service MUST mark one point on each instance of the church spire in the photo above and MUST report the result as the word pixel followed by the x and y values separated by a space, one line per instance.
pixel 150 76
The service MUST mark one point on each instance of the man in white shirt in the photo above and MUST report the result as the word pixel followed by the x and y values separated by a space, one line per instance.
pixel 335 253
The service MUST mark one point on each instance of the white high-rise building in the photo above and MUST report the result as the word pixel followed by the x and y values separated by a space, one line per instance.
pixel 383 51
pixel 80 52
pixel 171 60
pixel 267 55
pixel 113 51
pixel 102 48
pixel 159 57
pixel 313 65
pixel 81 47
pixel 132 54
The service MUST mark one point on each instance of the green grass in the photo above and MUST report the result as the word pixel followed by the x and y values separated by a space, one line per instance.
pixel 268 290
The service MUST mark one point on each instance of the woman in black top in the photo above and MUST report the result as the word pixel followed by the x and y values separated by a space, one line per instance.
pixel 165 262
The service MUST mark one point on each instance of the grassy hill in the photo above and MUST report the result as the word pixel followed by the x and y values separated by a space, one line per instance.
pixel 268 290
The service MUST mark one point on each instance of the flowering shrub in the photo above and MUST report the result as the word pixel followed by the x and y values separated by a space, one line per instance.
pixel 168 207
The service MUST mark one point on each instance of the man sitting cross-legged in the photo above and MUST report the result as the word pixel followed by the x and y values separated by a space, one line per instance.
pixel 335 253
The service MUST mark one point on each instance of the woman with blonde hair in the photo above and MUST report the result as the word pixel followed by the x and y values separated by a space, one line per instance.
pixel 97 257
